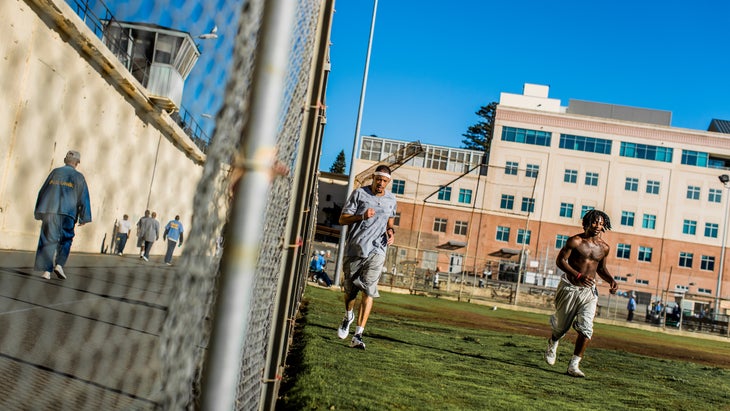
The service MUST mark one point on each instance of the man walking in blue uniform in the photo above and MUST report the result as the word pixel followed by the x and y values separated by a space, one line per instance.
pixel 174 235
pixel 63 201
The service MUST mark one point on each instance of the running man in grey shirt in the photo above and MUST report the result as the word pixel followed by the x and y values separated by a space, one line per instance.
pixel 370 212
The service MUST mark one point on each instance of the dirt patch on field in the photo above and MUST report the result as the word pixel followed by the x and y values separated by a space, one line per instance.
pixel 652 347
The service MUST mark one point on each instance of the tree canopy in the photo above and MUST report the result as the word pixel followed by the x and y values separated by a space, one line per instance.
pixel 339 165
pixel 479 135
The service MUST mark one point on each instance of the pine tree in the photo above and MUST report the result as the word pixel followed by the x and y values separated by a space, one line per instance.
pixel 479 135
pixel 339 165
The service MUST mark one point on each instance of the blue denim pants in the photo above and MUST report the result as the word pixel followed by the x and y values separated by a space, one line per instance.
pixel 121 242
pixel 57 234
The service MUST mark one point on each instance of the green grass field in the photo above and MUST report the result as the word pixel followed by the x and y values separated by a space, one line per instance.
pixel 433 354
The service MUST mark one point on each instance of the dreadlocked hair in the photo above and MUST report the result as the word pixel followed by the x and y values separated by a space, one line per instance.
pixel 593 215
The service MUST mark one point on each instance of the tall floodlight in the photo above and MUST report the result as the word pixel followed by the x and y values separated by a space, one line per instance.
pixel 351 180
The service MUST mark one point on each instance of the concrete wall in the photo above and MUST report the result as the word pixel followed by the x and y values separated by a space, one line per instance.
pixel 62 89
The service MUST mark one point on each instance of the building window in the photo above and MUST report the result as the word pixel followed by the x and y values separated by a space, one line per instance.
pixel 570 176
pixel 566 210
pixel 398 186
pixel 437 158
pixel 704 290
pixel 645 254
pixel 707 263
pixel 649 221
pixel 627 218
pixel 715 195
pixel 521 135
pixel 444 194
pixel 460 227
pixel 439 225
pixel 695 158
pixel 685 259
pixel 396 219
pixel 390 147
pixel 465 195
pixel 503 233
pixel 711 230
pixel 532 170
pixel 560 240
pixel 528 205
pixel 510 168
pixel 371 149
pixel 507 202
pixel 523 236
pixel 689 227
pixel 652 187
pixel 642 282
pixel 632 184
pixel 693 193
pixel 623 251
pixel 646 152
pixel 588 144
pixel 592 179
pixel 584 209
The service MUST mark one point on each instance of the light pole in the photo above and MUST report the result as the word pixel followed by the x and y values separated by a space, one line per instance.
pixel 725 180
pixel 351 179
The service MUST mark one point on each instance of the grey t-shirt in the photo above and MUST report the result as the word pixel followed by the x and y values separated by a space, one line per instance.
pixel 368 236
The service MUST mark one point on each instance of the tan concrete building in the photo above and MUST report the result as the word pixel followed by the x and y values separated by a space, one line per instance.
pixel 548 165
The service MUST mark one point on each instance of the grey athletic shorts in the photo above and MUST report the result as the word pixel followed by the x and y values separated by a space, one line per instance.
pixel 363 274
pixel 574 306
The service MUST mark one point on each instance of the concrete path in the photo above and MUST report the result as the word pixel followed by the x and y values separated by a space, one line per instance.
pixel 90 342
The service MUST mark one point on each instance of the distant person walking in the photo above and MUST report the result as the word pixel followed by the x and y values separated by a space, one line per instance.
pixel 140 233
pixel 631 307
pixel 581 258
pixel 63 201
pixel 174 236
pixel 123 229
pixel 150 233
pixel 370 213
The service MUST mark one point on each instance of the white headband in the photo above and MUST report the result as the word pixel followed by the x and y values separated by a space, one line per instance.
pixel 382 174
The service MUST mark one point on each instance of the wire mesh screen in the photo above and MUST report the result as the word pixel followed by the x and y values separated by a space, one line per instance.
pixel 122 331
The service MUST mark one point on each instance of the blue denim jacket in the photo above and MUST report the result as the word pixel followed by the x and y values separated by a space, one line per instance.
pixel 64 192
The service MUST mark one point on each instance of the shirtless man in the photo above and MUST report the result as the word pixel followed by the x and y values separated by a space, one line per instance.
pixel 582 257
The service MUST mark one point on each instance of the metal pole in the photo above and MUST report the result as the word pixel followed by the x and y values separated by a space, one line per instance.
pixel 523 260
pixel 258 150
pixel 722 253
pixel 351 179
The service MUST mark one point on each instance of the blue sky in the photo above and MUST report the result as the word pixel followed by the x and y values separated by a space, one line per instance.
pixel 433 64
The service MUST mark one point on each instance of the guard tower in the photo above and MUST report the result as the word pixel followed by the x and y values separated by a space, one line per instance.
pixel 158 57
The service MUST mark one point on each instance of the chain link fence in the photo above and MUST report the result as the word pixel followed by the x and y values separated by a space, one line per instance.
pixel 156 345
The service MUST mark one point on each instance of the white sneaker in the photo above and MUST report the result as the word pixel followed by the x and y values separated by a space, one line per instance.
pixel 357 342
pixel 59 272
pixel 344 329
pixel 552 351
pixel 573 369
pixel 46 275
pixel 145 258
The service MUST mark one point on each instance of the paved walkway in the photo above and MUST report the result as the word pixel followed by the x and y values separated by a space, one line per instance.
pixel 90 342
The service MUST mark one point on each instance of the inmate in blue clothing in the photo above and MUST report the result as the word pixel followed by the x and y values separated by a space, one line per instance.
pixel 173 229
pixel 64 192
pixel 62 201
